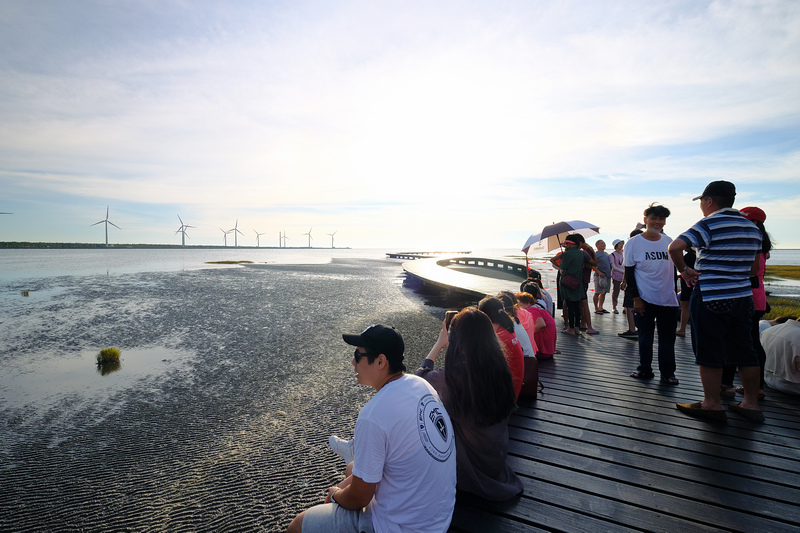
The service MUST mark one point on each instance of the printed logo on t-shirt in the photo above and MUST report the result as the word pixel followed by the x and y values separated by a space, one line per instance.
pixel 656 256
pixel 435 429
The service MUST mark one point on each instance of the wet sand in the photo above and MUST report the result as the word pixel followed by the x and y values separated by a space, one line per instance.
pixel 231 382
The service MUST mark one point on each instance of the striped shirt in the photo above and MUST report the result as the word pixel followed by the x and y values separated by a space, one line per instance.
pixel 726 244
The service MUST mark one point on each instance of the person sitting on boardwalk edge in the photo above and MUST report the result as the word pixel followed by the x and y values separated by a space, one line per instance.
pixel 403 476
pixel 476 388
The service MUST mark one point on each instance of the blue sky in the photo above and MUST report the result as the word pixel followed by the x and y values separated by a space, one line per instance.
pixel 455 125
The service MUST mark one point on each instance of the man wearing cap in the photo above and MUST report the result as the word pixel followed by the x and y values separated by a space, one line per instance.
pixel 721 304
pixel 403 475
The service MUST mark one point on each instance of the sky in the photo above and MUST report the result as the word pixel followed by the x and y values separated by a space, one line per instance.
pixel 416 125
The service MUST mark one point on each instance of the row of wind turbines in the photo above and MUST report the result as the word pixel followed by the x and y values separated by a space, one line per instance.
pixel 282 238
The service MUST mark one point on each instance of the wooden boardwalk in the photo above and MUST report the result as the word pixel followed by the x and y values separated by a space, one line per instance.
pixel 601 451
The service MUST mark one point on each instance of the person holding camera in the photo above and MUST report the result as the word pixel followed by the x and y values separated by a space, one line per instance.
pixel 476 388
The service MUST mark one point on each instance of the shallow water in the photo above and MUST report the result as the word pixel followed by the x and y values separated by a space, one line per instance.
pixel 230 383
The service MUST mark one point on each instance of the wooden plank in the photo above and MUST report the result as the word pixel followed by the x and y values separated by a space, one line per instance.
pixel 611 451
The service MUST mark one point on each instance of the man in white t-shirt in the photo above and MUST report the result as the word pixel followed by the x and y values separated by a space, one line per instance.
pixel 403 476
pixel 650 275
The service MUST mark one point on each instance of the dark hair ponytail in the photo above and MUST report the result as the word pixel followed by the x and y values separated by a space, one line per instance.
pixel 496 313
pixel 766 240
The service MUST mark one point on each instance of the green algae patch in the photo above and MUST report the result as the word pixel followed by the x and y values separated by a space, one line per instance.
pixel 227 262
pixel 108 355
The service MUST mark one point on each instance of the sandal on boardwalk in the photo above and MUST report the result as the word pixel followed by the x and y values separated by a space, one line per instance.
pixel 726 391
pixel 740 390
pixel 642 375
pixel 670 381
pixel 755 415
pixel 696 410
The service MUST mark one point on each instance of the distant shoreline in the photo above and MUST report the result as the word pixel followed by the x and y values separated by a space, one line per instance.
pixel 88 246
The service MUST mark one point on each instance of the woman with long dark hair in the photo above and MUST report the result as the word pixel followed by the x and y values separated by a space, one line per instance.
pixel 504 328
pixel 757 216
pixel 475 387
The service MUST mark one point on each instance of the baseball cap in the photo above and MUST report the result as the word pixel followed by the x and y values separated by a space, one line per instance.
pixel 753 213
pixel 718 188
pixel 379 339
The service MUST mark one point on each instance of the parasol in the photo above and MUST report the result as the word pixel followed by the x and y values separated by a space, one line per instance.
pixel 553 235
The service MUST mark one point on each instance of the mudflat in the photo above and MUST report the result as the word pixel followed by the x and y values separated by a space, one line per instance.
pixel 230 382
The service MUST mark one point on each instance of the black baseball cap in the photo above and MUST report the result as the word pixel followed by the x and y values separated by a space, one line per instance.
pixel 718 188
pixel 379 339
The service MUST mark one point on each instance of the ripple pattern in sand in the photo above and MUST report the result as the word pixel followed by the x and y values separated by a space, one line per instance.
pixel 229 434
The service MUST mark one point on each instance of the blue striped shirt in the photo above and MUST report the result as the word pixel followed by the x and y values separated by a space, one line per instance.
pixel 726 244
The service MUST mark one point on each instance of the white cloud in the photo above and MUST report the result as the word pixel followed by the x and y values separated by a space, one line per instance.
pixel 433 112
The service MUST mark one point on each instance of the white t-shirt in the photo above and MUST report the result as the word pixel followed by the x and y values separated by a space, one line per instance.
pixel 404 441
pixel 524 339
pixel 782 346
pixel 655 272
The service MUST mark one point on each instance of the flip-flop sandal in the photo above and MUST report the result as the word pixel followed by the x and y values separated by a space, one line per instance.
pixel 670 381
pixel 740 390
pixel 642 375
pixel 751 414
pixel 695 409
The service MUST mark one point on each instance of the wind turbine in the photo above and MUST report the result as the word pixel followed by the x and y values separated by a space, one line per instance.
pixel 235 230
pixel 225 236
pixel 106 222
pixel 332 234
pixel 309 237
pixel 285 238
pixel 258 235
pixel 182 231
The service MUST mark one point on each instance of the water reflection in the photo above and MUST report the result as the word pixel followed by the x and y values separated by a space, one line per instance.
pixel 108 367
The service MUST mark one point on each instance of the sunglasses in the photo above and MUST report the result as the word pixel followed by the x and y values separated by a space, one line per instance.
pixel 358 355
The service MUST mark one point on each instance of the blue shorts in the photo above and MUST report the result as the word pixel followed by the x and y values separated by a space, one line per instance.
pixel 721 331
pixel 332 518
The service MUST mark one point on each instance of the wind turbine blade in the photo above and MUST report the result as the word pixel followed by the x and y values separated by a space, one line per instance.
pixel 96 223
pixel 113 224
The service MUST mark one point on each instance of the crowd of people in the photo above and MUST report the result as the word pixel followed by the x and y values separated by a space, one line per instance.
pixel 451 424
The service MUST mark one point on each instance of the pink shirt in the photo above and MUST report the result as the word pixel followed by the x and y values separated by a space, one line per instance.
pixel 527 320
pixel 545 338
pixel 514 356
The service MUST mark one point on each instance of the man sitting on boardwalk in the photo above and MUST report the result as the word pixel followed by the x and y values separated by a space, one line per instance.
pixel 782 346
pixel 403 476
pixel 721 305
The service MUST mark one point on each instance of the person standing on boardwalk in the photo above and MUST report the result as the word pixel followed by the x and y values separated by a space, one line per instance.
pixel 403 476
pixel 721 306
pixel 651 281
pixel 602 277
pixel 757 216
pixel 617 272
pixel 686 294
pixel 589 262
pixel 627 300
pixel 570 283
